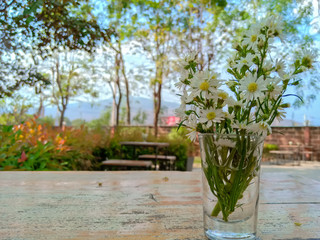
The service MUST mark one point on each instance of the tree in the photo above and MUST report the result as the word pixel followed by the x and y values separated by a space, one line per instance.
pixel 14 109
pixel 155 36
pixel 120 15
pixel 70 78
pixel 42 26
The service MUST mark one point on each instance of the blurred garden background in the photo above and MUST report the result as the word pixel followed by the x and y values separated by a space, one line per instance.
pixel 78 77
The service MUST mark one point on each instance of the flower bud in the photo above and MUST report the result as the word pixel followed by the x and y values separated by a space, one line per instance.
pixel 285 105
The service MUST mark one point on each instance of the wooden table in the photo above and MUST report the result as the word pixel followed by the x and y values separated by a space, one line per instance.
pixel 155 145
pixel 145 144
pixel 145 205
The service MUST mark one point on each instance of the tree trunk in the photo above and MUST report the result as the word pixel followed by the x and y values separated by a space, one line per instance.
pixel 157 96
pixel 118 65
pixel 126 82
pixel 62 113
pixel 40 111
pixel 156 106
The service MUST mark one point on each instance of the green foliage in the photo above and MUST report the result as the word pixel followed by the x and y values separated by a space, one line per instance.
pixel 77 123
pixel 33 27
pixel 269 147
pixel 47 120
pixel 102 122
pixel 14 109
pixel 140 118
pixel 33 146
pixel 19 151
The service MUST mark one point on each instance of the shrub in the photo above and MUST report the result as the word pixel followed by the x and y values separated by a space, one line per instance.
pixel 27 147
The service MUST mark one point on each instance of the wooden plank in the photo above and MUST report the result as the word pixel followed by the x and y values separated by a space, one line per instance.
pixel 146 144
pixel 129 163
pixel 157 156
pixel 146 205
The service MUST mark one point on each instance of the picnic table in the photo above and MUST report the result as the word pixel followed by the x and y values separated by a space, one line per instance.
pixel 161 161
pixel 293 153
pixel 145 205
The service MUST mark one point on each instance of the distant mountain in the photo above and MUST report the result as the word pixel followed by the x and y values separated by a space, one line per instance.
pixel 89 111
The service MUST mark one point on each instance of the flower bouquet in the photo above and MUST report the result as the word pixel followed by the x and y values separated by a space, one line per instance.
pixel 232 118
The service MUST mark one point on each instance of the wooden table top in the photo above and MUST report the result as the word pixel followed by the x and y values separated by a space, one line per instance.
pixel 146 205
pixel 145 144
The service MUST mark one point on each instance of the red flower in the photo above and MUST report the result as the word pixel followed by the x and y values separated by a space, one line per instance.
pixel 23 157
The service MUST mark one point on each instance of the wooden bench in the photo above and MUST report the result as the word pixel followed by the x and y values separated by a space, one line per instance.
pixel 125 164
pixel 162 162
pixel 285 156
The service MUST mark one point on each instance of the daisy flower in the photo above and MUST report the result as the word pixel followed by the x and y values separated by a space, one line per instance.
pixel 240 126
pixel 261 128
pixel 244 61
pixel 228 115
pixel 308 59
pixel 227 100
pixel 188 58
pixel 210 116
pixel 275 26
pixel 252 36
pixel 280 67
pixel 252 88
pixel 184 75
pixel 204 82
pixel 186 98
pixel 274 89
pixel 192 125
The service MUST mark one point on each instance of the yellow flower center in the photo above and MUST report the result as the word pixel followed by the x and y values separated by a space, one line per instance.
pixel 253 38
pixel 263 126
pixel 244 61
pixel 278 67
pixel 213 77
pixel 211 115
pixel 204 86
pixel 252 87
pixel 223 95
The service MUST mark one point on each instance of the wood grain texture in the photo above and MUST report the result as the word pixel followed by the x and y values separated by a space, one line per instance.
pixel 145 205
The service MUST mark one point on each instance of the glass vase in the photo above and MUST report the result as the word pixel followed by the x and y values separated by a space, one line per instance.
pixel 230 176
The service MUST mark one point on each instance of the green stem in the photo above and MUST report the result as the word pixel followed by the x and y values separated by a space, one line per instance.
pixel 217 208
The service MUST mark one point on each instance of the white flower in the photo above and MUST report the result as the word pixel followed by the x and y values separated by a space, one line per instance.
pixel 227 100
pixel 267 66
pixel 204 82
pixel 231 59
pixel 187 58
pixel 210 116
pixel 228 115
pixel 274 25
pixel 184 75
pixel 192 123
pixel 261 128
pixel 244 61
pixel 252 88
pixel 280 67
pixel 308 59
pixel 225 143
pixel 274 89
pixel 252 37
pixel 238 125
pixel 186 98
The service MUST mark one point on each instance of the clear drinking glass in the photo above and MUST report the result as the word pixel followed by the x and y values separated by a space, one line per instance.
pixel 230 176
